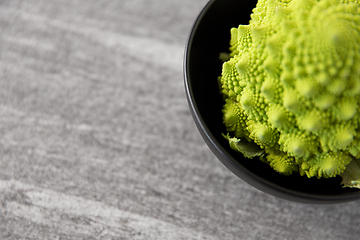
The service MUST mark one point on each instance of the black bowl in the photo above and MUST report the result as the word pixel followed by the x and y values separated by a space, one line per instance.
pixel 210 36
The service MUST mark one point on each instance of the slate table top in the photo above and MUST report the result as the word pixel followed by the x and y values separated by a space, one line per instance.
pixel 97 141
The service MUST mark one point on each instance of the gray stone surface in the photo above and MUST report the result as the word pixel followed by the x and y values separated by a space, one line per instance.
pixel 97 141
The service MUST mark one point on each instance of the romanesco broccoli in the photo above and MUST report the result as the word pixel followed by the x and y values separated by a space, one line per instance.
pixel 292 86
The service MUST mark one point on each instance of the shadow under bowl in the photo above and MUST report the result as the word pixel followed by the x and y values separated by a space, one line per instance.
pixel 209 37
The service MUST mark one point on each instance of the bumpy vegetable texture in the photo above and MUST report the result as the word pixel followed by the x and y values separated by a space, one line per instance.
pixel 292 87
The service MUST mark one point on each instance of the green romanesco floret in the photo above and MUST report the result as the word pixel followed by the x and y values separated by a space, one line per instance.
pixel 292 86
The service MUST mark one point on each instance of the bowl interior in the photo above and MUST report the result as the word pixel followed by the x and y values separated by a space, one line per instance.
pixel 210 36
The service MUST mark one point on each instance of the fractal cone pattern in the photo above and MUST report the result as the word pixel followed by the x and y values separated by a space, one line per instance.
pixel 291 86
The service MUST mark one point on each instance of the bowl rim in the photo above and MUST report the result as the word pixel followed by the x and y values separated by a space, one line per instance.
pixel 229 161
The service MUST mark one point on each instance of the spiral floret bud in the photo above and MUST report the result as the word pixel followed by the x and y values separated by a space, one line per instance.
pixel 292 84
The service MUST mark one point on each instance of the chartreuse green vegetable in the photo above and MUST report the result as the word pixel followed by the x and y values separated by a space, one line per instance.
pixel 291 87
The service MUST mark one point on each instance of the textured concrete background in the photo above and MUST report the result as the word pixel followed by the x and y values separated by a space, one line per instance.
pixel 97 141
